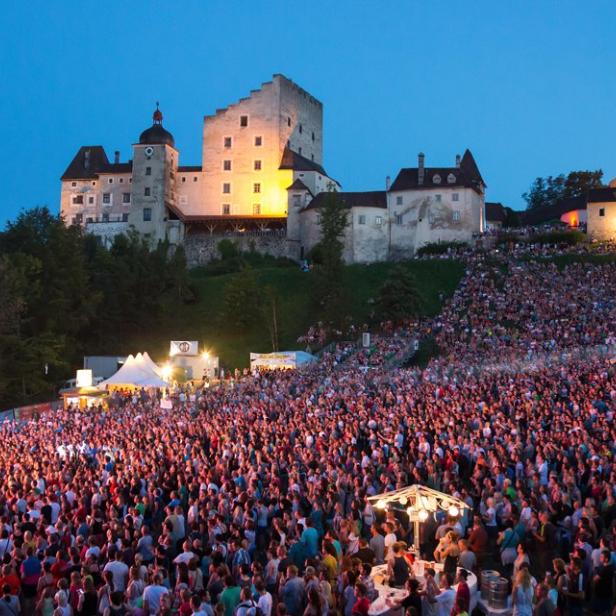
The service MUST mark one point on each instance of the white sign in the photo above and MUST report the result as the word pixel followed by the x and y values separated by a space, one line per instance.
pixel 84 379
pixel 184 347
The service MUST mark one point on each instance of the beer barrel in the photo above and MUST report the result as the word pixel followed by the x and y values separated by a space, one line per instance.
pixel 498 593
pixel 484 579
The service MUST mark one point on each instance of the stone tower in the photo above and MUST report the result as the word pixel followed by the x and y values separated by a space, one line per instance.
pixel 153 193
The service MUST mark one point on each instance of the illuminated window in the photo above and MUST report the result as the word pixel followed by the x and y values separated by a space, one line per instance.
pixel 256 188
pixel 455 197
pixel 77 199
pixel 147 214
pixel 226 165
pixel 399 200
pixel 456 216
pixel 125 197
pixel 244 121
pixel 258 141
pixel 601 211
pixel 226 188
pixel 256 209
pixel 228 141
pixel 148 170
pixel 362 220
pixel 146 191
pixel 257 165
pixel 107 198
pixel 226 209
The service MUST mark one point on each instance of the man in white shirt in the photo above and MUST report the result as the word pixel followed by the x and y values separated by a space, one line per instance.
pixel 390 539
pixel 152 595
pixel 264 602
pixel 118 569
pixel 445 599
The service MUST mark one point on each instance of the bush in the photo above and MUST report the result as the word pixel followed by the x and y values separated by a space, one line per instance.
pixel 439 248
pixel 227 250
pixel 570 238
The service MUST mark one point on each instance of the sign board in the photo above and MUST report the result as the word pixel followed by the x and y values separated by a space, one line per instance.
pixel 273 360
pixel 365 339
pixel 184 347
pixel 84 378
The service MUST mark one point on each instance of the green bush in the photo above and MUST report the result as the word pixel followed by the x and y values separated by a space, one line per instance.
pixel 439 248
pixel 570 238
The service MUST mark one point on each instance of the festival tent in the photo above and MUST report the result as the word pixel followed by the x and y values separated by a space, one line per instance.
pixel 135 372
pixel 281 360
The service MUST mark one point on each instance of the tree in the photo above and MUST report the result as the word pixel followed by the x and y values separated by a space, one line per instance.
pixel 548 191
pixel 398 298
pixel 328 287
pixel 242 300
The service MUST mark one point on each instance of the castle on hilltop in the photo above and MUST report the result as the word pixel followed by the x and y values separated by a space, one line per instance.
pixel 262 183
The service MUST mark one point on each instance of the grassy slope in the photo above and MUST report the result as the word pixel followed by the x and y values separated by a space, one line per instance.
pixel 202 321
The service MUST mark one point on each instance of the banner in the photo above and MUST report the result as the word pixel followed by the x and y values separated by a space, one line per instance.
pixel 273 360
pixel 184 347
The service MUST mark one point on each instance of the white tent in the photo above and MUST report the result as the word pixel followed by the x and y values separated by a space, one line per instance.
pixel 135 372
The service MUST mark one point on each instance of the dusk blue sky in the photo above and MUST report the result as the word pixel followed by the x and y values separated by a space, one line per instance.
pixel 529 87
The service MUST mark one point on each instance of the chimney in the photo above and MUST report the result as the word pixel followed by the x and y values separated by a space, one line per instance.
pixel 86 159
pixel 387 182
pixel 116 157
pixel 458 161
pixel 420 168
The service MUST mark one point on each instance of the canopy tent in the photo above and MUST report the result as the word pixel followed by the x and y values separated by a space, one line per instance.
pixel 137 371
pixel 281 360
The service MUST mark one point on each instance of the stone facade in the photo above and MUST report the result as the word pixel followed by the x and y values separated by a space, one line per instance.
pixel 262 181
pixel 601 213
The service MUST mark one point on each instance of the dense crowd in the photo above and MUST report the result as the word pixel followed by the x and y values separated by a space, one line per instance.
pixel 252 499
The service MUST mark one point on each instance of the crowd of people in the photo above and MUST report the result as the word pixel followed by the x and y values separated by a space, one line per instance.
pixel 253 499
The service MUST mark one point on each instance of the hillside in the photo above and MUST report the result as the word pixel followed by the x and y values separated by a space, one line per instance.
pixel 202 320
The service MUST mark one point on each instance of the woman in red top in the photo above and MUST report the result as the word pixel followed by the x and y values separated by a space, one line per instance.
pixel 362 605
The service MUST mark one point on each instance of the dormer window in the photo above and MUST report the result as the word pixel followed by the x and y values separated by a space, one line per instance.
pixel 451 179
pixel 436 178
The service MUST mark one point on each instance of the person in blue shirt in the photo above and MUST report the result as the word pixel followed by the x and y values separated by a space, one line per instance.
pixel 310 539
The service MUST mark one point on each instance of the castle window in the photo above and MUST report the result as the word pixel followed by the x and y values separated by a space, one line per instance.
pixel 431 218
pixel 318 219
pixel 451 179
pixel 105 217
pixel 297 200
pixel 601 211
pixel 361 220
pixel 226 209
pixel 301 129
pixel 436 178
pixel 147 214
pixel 258 140
pixel 313 135
pixel 125 197
pixel 125 217
pixel 244 121
pixel 121 180
pixel 398 219
pixel 226 188
pixel 146 191
pixel 256 209
pixel 399 200
pixel 289 121
pixel 78 218
pixel 107 198
pixel 90 200
pixel 93 183
pixel 257 165
pixel 227 142
pixel 378 220
pixel 73 184
pixel 312 157
pixel 438 198
pixel 300 150
pixel 148 170
pixel 111 180
pixel 455 197
pixel 195 179
pixel 77 199
pixel 183 179
pixel 456 216
pixel 89 219
pixel 256 188
pixel 226 165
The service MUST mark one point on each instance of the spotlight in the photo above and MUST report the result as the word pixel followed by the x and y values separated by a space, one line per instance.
pixel 423 515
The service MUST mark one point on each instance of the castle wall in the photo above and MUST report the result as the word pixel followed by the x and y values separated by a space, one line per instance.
pixel 601 227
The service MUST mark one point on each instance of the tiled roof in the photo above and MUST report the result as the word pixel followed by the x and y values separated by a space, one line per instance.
pixel 602 195
pixel 374 198
pixel 541 215
pixel 90 161
pixel 297 162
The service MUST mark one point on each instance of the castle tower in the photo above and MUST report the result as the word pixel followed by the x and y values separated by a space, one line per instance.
pixel 153 193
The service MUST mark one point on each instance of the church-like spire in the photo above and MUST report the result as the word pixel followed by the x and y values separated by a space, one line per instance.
pixel 157 116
